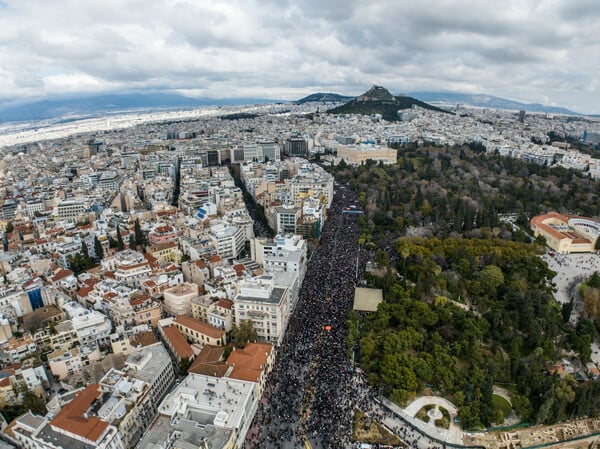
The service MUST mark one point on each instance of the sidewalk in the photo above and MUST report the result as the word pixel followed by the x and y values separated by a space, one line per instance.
pixel 453 435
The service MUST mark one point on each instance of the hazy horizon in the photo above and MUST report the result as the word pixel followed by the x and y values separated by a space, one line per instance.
pixel 528 51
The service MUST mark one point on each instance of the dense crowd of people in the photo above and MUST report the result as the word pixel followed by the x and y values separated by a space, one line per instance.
pixel 313 390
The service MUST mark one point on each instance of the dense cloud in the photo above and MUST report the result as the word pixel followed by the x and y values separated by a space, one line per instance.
pixel 530 50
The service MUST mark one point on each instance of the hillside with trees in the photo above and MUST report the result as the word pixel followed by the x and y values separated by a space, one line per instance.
pixel 461 191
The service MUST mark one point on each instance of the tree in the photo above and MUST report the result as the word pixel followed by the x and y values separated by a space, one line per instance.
pixel 521 406
pixel 9 227
pixel 140 237
pixel 132 242
pixel 98 250
pixel 405 253
pixel 490 278
pixel 34 403
pixel 244 333
pixel 120 244
pixel 85 253
pixel 184 366
pixel 382 259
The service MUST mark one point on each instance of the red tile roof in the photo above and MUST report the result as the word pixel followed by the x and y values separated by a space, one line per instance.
pixel 199 326
pixel 164 229
pixel 61 274
pixel 163 246
pixel 209 362
pixel 178 342
pixel 73 416
pixel 225 303
pixel 249 363
pixel 85 291
pixel 139 299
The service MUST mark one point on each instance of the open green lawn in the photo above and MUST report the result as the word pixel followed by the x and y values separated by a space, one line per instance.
pixel 499 403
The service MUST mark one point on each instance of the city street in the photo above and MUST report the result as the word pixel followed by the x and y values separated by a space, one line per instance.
pixel 312 391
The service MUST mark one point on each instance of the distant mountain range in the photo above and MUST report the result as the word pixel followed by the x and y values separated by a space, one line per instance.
pixel 99 104
pixel 78 107
pixel 378 100
pixel 450 100
pixel 324 98
pixel 487 101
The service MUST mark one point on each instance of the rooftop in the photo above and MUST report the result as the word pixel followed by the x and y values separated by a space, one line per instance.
pixel 199 326
pixel 274 298
pixel 209 400
pixel 189 434
pixel 73 417
pixel 178 342
pixel 149 361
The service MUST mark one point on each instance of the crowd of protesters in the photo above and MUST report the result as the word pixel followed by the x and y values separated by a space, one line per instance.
pixel 313 389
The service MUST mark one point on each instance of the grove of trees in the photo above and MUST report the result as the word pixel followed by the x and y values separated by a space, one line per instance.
pixel 472 304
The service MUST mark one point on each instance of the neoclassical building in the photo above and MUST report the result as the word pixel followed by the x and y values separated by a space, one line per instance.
pixel 567 233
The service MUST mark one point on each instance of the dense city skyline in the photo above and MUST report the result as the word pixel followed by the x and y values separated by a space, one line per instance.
pixel 533 51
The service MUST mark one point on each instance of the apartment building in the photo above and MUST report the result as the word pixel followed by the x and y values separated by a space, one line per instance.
pixel 225 405
pixel 282 253
pixel 91 326
pixel 229 240
pixel 71 210
pixel 195 271
pixel 65 363
pixel 126 403
pixel 199 332
pixel 266 305
pixel 77 425
pixel 60 336
pixel 17 349
pixel 131 268
pixel 178 299
pixel 285 219
pixel 152 365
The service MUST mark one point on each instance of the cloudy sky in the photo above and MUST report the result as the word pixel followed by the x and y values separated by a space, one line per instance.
pixel 545 51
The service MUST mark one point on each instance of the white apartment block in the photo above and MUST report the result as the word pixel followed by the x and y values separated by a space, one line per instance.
pixel 285 219
pixel 152 364
pixel 265 304
pixel 311 180
pixel 209 402
pixel 91 326
pixel 34 206
pixel 63 336
pixel 110 181
pixel 128 406
pixel 229 240
pixel 282 253
pixel 130 267
pixel 70 210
